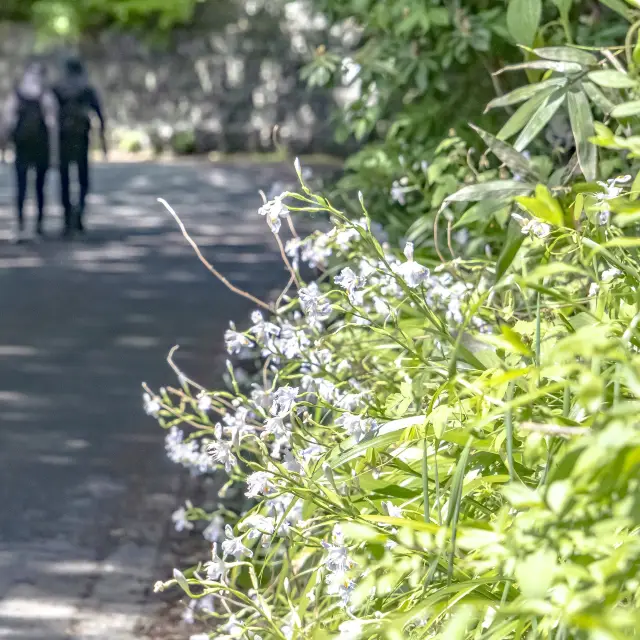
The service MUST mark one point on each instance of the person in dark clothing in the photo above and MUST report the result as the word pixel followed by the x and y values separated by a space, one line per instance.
pixel 77 99
pixel 30 122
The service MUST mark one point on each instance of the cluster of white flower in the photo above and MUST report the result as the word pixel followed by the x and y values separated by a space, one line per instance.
pixel 307 396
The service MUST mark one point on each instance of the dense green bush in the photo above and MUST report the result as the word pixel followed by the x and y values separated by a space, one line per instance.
pixel 425 67
pixel 442 444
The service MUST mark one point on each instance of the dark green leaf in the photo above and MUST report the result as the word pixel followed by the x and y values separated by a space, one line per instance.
pixel 567 54
pixel 551 65
pixel 524 93
pixel 582 127
pixel 514 160
pixel 489 190
pixel 619 7
pixel 523 20
pixel 514 241
pixel 597 97
pixel 612 79
pixel 523 114
pixel 539 120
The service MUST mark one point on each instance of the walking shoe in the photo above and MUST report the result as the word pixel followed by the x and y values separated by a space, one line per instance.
pixel 18 236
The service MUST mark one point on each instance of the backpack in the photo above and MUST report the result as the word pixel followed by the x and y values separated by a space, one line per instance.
pixel 30 127
pixel 74 116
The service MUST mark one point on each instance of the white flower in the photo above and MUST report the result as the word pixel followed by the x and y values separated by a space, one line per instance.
pixel 610 274
pixel 274 210
pixel 151 405
pixel 236 425
pixel 397 193
pixel 411 272
pixel 532 227
pixel 593 289
pixel 214 531
pixel 350 70
pixel 355 425
pixel 610 189
pixel 283 400
pixel 179 517
pixel 216 568
pixel 235 341
pixel 339 584
pixel 204 402
pixel 337 558
pixel 461 237
pixel 392 510
pixel 314 305
pixel 350 282
pixel 221 453
pixel 259 483
pixel 233 545
pixel 604 216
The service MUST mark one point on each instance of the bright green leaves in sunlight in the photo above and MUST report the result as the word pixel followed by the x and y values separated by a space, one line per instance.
pixel 543 206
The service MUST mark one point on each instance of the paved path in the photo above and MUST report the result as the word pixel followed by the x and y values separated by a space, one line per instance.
pixel 85 489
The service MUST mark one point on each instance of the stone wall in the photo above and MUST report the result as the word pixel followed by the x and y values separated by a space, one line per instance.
pixel 220 85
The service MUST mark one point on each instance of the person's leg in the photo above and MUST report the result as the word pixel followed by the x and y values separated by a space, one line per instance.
pixel 65 196
pixel 83 179
pixel 41 179
pixel 22 170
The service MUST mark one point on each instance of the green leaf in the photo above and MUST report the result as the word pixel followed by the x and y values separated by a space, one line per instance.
pixel 582 127
pixel 634 192
pixel 524 93
pixel 543 206
pixel 514 241
pixel 619 7
pixel 566 54
pixel 626 109
pixel 515 340
pixel 549 65
pixel 612 79
pixel 523 114
pixel 539 120
pixel 535 574
pixel 489 190
pixel 597 97
pixel 563 6
pixel 523 20
pixel 514 160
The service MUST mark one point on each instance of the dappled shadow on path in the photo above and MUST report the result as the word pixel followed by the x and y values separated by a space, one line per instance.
pixel 83 323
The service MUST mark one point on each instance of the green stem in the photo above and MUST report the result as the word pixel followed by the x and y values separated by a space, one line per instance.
pixel 538 334
pixel 509 426
pixel 425 479
pixel 439 508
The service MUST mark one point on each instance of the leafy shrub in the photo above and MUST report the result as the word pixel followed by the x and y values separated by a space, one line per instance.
pixel 423 68
pixel 441 444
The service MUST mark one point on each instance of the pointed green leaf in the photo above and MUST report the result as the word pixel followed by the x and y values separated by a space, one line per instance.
pixel 612 79
pixel 514 160
pixel 543 206
pixel 524 93
pixel 566 54
pixel 549 65
pixel 523 114
pixel 621 8
pixel 489 190
pixel 523 20
pixel 597 97
pixel 535 574
pixel 539 120
pixel 634 192
pixel 514 241
pixel 626 109
pixel 582 127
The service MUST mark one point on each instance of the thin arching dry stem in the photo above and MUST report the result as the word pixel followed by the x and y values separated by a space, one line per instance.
pixel 207 264
pixel 286 260
pixel 284 292
pixel 177 370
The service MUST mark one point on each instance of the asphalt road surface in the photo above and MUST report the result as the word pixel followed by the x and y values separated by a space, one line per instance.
pixel 85 488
